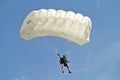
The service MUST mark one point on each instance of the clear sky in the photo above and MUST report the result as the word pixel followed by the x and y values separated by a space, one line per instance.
pixel 36 59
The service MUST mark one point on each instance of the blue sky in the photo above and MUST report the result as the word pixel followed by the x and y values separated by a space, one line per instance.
pixel 36 59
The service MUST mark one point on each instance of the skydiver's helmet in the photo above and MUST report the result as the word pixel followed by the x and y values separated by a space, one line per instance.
pixel 64 56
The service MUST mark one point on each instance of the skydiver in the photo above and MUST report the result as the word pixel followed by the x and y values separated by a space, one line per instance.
pixel 63 61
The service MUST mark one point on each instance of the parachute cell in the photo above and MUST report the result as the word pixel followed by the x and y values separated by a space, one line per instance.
pixel 65 24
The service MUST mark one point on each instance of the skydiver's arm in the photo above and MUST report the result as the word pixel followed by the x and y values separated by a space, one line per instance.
pixel 68 61
pixel 58 55
pixel 56 51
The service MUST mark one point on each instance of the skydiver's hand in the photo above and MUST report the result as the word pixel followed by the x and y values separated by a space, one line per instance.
pixel 58 54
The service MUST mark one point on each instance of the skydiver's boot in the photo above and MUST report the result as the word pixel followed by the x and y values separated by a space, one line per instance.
pixel 62 71
pixel 70 72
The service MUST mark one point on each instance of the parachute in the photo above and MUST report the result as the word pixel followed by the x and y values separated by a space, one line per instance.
pixel 69 25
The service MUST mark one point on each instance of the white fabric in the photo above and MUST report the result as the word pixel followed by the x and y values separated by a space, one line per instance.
pixel 59 23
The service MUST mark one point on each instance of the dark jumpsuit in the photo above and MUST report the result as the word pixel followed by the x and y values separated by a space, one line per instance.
pixel 63 61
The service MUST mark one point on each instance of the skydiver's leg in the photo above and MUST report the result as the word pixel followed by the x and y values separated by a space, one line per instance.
pixel 68 68
pixel 62 68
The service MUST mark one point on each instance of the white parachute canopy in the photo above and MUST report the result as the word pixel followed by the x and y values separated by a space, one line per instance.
pixel 71 26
